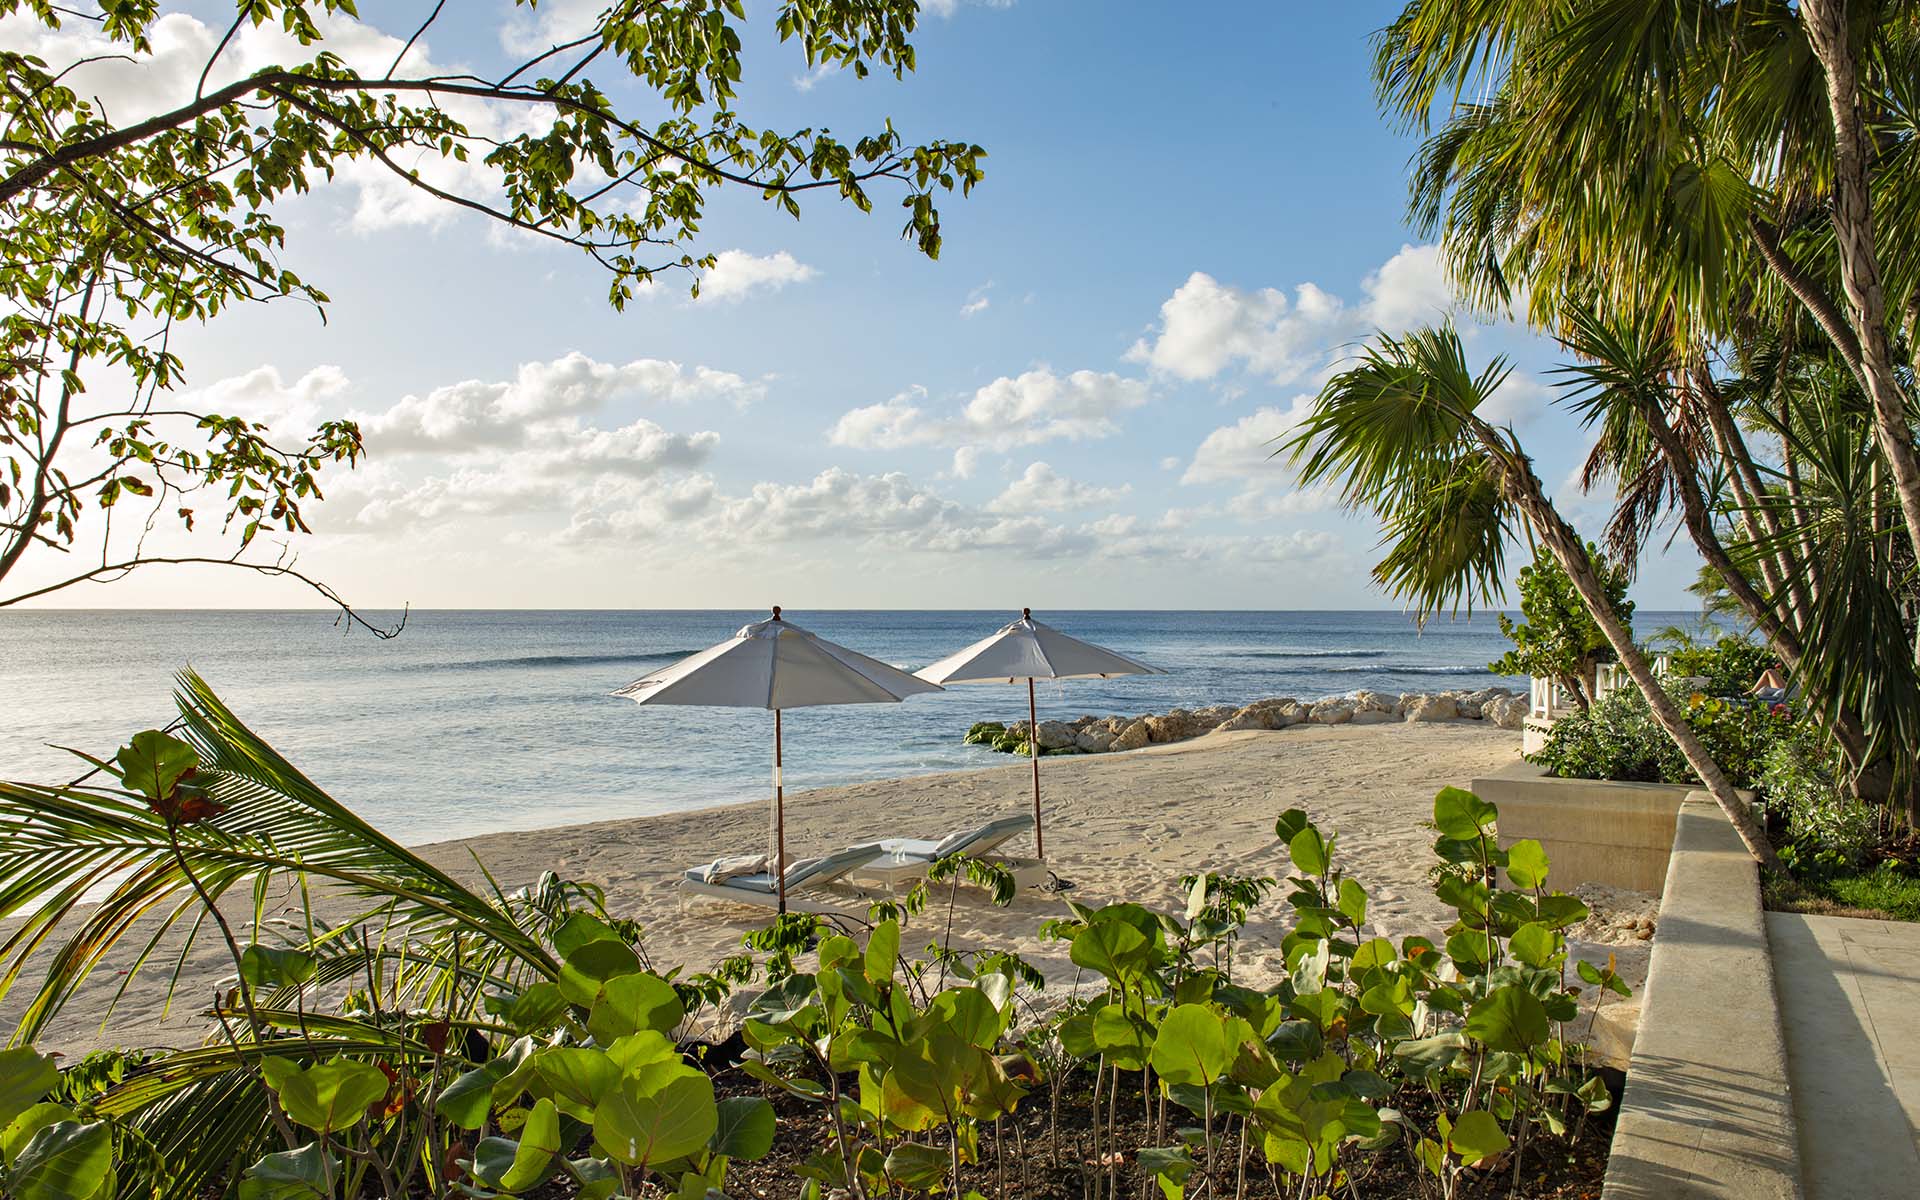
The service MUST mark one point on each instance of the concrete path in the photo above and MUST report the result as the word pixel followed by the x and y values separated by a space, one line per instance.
pixel 1849 997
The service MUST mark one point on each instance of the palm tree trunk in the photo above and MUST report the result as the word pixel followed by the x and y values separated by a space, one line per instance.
pixel 1826 25
pixel 1523 487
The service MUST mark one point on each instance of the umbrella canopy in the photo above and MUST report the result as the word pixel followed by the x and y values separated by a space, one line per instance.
pixel 775 665
pixel 1029 650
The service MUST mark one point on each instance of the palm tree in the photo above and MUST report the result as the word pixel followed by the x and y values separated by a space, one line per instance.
pixel 1680 158
pixel 1400 434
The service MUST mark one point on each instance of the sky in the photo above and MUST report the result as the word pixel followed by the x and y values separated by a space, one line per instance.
pixel 1190 215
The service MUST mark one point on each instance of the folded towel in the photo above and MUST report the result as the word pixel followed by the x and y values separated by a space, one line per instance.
pixel 722 869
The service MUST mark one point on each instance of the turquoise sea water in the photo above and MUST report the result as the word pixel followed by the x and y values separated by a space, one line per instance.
pixel 474 722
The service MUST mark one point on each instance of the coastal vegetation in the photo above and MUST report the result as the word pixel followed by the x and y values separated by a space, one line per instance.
pixel 124 224
pixel 385 1030
pixel 1710 207
pixel 1557 638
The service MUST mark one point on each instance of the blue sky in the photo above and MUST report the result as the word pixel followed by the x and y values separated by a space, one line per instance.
pixel 1188 211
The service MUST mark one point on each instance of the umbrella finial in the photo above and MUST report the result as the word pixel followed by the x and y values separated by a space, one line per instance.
pixel 1026 614
pixel 776 612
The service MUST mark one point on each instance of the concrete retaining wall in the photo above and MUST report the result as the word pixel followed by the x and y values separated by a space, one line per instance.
pixel 1594 830
pixel 1707 1111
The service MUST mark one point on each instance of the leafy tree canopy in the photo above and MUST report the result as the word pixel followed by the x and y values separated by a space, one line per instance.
pixel 1558 639
pixel 119 226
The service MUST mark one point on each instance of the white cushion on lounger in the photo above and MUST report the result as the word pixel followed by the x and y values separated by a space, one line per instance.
pixel 722 869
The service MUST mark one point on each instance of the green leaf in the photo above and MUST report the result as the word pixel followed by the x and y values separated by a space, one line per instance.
pixel 918 1167
pixel 745 1128
pixel 1310 852
pixel 1421 1057
pixel 1461 815
pixel 1527 863
pixel 588 968
pixel 1353 902
pixel 578 1076
pixel 1534 944
pixel 1119 1036
pixel 1289 824
pixel 64 1161
pixel 666 1114
pixel 883 947
pixel 327 1098
pixel 153 764
pixel 1111 947
pixel 271 966
pixel 1196 1045
pixel 1477 1136
pixel 515 1166
pixel 1508 1018
pixel 631 1003
pixel 21 1131
pixel 24 1078
pixel 578 930
pixel 303 1174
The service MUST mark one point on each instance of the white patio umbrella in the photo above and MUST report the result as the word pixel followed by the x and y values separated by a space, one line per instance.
pixel 772 664
pixel 1029 650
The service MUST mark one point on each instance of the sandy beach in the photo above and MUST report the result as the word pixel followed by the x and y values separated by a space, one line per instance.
pixel 1119 826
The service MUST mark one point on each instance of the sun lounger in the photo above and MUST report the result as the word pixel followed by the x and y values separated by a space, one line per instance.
pixel 909 858
pixel 807 875
pixel 976 842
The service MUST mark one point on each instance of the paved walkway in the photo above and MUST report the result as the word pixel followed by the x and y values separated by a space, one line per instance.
pixel 1849 999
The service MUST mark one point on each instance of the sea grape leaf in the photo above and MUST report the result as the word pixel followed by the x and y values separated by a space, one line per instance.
pixel 1508 1018
pixel 1196 1045
pixel 25 1077
pixel 745 1128
pixel 656 1117
pixel 630 1003
pixel 67 1160
pixel 326 1098
pixel 577 930
pixel 1534 944
pixel 21 1131
pixel 918 1167
pixel 1461 815
pixel 1477 1136
pixel 273 966
pixel 579 1077
pixel 584 972
pixel 1353 902
pixel 883 947
pixel 1527 863
pixel 1311 852
pixel 301 1174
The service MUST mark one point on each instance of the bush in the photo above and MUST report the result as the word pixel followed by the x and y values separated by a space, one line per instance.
pixel 1826 829
pixel 1618 738
pixel 1727 667
pixel 1559 639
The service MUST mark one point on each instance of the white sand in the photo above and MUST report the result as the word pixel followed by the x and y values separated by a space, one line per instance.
pixel 1120 827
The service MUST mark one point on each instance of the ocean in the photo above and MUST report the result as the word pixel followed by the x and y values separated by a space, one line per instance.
pixel 474 722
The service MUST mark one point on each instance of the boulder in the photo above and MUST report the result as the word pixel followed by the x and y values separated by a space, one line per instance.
pixel 1336 711
pixel 1366 702
pixel 1288 712
pixel 1055 735
pixel 1175 726
pixel 1432 708
pixel 1508 712
pixel 1246 718
pixel 1212 715
pixel 1094 739
pixel 1277 713
pixel 1374 716
pixel 1133 737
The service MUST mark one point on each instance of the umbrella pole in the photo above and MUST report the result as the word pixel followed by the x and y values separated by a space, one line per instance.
pixel 779 820
pixel 1033 745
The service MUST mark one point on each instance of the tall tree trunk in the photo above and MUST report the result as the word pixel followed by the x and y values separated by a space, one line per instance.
pixel 1826 25
pixel 1523 487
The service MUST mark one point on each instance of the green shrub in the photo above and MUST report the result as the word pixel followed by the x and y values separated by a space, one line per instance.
pixel 1728 667
pixel 1559 639
pixel 1618 738
pixel 1827 829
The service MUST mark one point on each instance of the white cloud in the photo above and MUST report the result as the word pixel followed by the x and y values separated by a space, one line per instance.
pixel 477 415
pixel 1245 449
pixel 966 460
pixel 809 80
pixel 1042 489
pixel 288 409
pixel 1022 410
pixel 1516 402
pixel 736 274
pixel 1207 326
pixel 977 301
